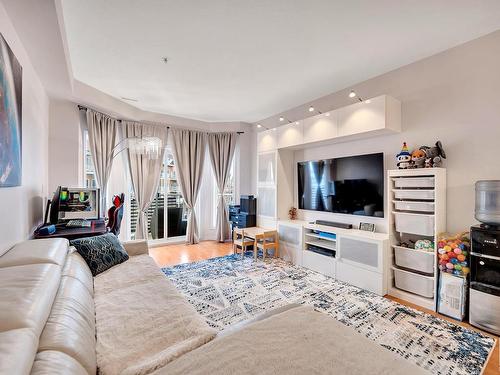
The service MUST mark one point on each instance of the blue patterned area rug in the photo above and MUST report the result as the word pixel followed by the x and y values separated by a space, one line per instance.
pixel 227 290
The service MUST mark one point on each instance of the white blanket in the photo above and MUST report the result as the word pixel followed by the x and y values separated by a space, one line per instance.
pixel 142 322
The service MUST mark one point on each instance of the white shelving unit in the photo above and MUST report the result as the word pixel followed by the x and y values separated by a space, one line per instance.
pixel 417 206
pixel 351 255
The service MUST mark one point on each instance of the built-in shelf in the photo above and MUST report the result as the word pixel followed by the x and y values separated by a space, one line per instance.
pixel 314 235
pixel 323 244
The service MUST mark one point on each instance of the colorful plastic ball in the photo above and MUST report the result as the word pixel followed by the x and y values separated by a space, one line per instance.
pixel 456 272
pixel 461 246
pixel 441 244
pixel 464 253
pixel 441 251
pixel 451 254
pixel 458 267
pixel 465 270
pixel 453 245
pixel 461 257
pixel 457 250
pixel 447 248
pixel 445 257
pixel 443 262
pixel 449 266
pixel 454 260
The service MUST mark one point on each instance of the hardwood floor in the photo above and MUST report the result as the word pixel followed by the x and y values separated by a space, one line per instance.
pixel 170 255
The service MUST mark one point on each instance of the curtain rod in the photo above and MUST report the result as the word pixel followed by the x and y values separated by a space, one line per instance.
pixel 83 108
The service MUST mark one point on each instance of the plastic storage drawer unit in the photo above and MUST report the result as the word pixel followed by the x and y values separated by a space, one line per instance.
pixel 414 223
pixel 414 283
pixel 414 206
pixel 414 182
pixel 414 194
pixel 416 260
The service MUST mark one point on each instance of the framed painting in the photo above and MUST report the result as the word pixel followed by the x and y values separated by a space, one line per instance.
pixel 11 75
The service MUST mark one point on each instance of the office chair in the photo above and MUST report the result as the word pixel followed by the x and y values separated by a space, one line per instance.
pixel 115 214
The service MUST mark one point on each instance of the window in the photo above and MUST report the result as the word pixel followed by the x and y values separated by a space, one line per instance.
pixel 89 176
pixel 229 193
pixel 167 214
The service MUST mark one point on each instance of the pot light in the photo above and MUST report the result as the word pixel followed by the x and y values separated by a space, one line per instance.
pixel 274 129
pixel 368 101
pixel 282 119
pixel 259 126
pixel 352 94
pixel 327 114
pixel 296 122
pixel 311 109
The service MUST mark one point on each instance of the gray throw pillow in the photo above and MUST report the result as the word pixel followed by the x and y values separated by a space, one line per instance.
pixel 100 252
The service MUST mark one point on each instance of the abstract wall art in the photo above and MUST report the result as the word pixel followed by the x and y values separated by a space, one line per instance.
pixel 10 117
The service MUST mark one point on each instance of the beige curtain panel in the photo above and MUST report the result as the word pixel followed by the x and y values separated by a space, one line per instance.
pixel 189 149
pixel 102 138
pixel 144 171
pixel 221 147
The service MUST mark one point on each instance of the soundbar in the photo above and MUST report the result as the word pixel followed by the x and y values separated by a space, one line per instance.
pixel 334 224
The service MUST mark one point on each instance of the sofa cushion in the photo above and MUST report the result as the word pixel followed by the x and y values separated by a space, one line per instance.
pixel 101 252
pixel 77 268
pixel 17 350
pixel 70 327
pixel 35 252
pixel 157 325
pixel 26 295
pixel 297 341
pixel 51 362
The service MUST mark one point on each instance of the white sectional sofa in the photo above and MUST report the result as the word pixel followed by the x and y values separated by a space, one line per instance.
pixel 55 318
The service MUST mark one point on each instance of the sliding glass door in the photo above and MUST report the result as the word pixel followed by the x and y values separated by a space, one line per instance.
pixel 167 214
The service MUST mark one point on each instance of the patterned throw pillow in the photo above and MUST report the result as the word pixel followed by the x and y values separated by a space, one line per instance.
pixel 100 252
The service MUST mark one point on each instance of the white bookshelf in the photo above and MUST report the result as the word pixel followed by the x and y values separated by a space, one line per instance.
pixel 417 207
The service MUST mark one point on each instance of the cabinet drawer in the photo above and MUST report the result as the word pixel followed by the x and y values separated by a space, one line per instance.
pixel 319 263
pixel 414 182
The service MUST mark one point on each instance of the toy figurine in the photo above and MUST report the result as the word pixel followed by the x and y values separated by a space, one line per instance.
pixel 418 158
pixel 403 159
pixel 434 155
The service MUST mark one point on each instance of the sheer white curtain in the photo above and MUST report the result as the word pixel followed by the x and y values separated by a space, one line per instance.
pixel 221 147
pixel 102 139
pixel 144 171
pixel 189 149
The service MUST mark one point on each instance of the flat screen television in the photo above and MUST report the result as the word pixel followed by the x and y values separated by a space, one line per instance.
pixel 349 185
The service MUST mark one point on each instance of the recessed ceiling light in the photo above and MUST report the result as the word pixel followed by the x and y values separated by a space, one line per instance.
pixel 274 129
pixel 311 109
pixel 296 122
pixel 352 94
pixel 327 114
pixel 282 119
pixel 368 101
pixel 259 126
pixel 129 99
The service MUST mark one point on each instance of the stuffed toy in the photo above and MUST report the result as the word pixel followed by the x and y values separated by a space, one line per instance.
pixel 418 158
pixel 403 159
pixel 434 155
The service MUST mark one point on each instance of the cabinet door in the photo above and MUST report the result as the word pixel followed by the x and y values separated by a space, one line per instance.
pixel 321 127
pixel 290 135
pixel 362 117
pixel 266 174
pixel 267 140
pixel 266 201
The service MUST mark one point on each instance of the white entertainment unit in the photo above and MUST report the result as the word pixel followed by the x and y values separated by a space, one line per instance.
pixel 361 258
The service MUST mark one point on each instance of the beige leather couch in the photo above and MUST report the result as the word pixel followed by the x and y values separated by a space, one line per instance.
pixel 48 305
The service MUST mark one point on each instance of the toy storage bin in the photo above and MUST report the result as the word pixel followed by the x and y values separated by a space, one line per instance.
pixel 414 283
pixel 414 182
pixel 414 206
pixel 414 194
pixel 414 223
pixel 416 260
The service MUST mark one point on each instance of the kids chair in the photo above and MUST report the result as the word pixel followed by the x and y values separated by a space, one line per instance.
pixel 239 241
pixel 266 241
pixel 115 214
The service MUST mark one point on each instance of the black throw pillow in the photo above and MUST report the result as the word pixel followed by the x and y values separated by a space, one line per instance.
pixel 100 252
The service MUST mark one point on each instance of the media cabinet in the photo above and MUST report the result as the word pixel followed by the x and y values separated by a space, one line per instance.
pixel 357 257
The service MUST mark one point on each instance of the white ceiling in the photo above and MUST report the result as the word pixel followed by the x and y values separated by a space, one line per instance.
pixel 240 60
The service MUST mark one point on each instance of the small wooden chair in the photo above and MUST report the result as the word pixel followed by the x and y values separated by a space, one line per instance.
pixel 239 241
pixel 265 241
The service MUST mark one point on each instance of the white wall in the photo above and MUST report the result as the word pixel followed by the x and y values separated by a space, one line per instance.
pixel 21 208
pixel 453 97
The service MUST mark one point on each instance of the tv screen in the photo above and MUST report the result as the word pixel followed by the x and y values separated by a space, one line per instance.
pixel 350 185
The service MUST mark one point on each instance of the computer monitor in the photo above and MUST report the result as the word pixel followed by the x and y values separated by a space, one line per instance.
pixel 74 203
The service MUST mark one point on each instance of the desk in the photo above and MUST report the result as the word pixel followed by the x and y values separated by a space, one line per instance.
pixel 252 232
pixel 97 228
